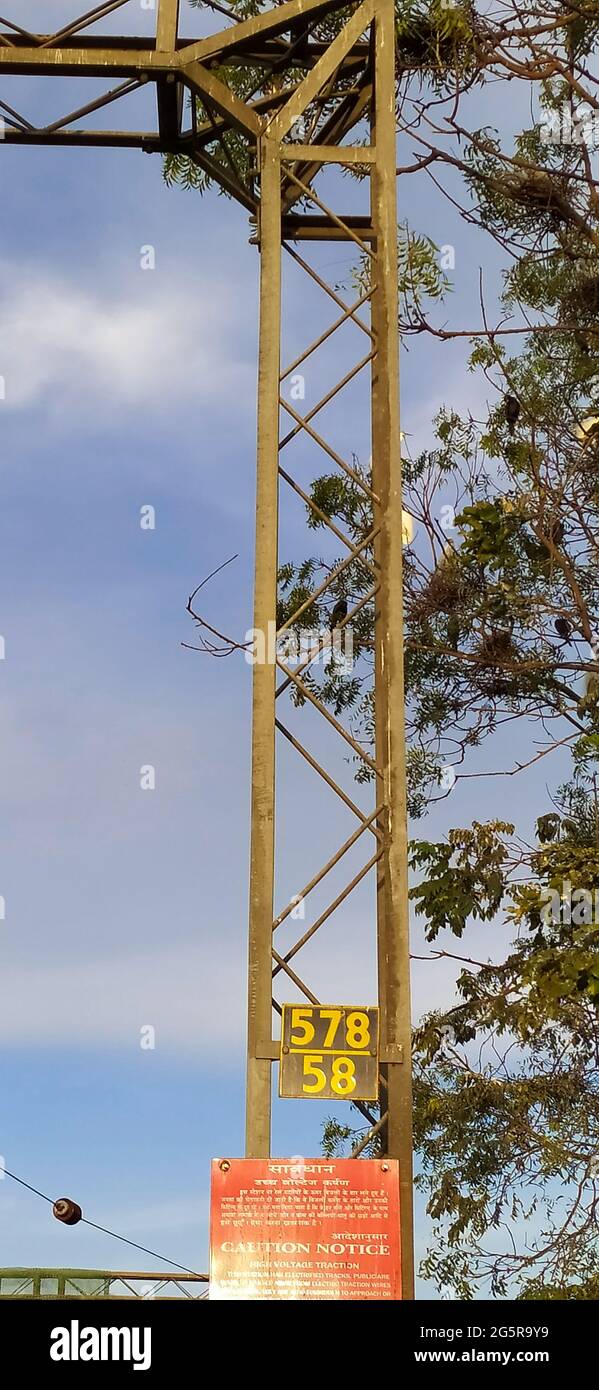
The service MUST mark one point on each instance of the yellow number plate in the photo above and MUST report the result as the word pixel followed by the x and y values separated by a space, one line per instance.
pixel 330 1051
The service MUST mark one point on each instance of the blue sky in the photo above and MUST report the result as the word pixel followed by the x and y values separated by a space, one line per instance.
pixel 127 388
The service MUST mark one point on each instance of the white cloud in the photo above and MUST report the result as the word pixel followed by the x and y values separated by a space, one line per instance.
pixel 146 343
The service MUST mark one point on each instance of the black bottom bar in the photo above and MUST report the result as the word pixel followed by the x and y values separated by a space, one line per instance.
pixel 160 1338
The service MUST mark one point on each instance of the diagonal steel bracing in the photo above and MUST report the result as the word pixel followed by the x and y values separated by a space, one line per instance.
pixel 374 237
pixel 264 106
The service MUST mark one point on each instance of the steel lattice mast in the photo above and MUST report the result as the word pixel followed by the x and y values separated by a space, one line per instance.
pixel 329 64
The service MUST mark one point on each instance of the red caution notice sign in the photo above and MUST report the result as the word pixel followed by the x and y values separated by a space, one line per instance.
pixel 305 1228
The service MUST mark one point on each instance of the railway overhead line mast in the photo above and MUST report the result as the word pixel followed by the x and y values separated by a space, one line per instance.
pixel 266 108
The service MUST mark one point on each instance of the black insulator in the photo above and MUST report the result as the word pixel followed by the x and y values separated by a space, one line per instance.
pixel 66 1211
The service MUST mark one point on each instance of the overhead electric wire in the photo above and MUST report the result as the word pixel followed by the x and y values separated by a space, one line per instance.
pixel 104 1229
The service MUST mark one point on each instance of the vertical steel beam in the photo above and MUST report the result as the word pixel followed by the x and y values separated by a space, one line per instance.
pixel 167 25
pixel 169 94
pixel 392 892
pixel 263 712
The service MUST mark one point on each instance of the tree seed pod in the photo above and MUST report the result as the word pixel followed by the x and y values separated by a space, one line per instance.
pixel 66 1211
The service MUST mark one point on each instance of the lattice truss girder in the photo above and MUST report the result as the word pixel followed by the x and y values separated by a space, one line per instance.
pixel 91 1284
pixel 273 98
pixel 235 81
pixel 327 646
pixel 372 315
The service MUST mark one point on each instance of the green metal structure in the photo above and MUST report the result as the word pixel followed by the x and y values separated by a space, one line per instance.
pixel 88 1284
